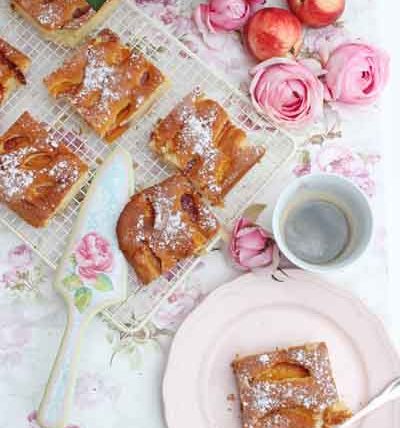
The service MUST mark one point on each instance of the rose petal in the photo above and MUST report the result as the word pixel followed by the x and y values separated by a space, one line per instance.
pixel 252 241
pixel 262 259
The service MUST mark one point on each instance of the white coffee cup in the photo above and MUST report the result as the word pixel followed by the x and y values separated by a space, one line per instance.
pixel 350 217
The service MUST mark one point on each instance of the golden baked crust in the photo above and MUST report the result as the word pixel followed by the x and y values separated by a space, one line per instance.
pixel 198 138
pixel 162 225
pixel 38 175
pixel 63 21
pixel 57 14
pixel 108 83
pixel 290 388
pixel 13 66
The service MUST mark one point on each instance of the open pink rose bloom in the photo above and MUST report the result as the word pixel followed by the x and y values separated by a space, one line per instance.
pixel 252 247
pixel 93 256
pixel 287 91
pixel 356 73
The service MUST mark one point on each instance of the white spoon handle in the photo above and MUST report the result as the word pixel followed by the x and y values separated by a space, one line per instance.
pixel 57 398
pixel 390 393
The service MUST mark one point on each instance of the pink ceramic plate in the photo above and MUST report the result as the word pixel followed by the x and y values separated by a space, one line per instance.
pixel 254 314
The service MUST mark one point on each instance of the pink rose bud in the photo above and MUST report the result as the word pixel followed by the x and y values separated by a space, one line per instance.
pixel 287 91
pixel 93 256
pixel 221 15
pixel 356 73
pixel 252 247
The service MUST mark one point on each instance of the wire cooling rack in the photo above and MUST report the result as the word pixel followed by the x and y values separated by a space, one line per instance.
pixel 186 72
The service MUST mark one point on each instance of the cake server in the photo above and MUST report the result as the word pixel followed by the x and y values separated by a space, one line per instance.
pixel 91 276
pixel 390 393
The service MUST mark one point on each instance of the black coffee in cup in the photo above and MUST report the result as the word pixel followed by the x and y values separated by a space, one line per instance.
pixel 316 231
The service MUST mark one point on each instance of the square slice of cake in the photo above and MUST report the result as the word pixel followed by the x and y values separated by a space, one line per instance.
pixel 66 22
pixel 289 388
pixel 108 83
pixel 39 175
pixel 199 139
pixel 164 224
pixel 13 67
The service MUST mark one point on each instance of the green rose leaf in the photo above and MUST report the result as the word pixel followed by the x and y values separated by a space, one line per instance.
pixel 82 298
pixel 103 283
pixel 72 282
pixel 96 4
pixel 73 260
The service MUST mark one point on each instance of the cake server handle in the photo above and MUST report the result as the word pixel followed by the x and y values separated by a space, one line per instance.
pixel 58 395
pixel 390 393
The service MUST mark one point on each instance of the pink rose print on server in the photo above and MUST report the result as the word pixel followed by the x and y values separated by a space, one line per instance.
pixel 93 255
pixel 91 261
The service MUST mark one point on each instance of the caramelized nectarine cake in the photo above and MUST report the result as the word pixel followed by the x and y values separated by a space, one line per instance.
pixel 108 83
pixel 63 21
pixel 13 66
pixel 290 388
pixel 199 138
pixel 162 225
pixel 38 173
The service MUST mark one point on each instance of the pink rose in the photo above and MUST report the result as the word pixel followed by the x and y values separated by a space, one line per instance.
pixel 20 256
pixel 252 247
pixel 224 15
pixel 213 20
pixel 356 73
pixel 93 256
pixel 287 91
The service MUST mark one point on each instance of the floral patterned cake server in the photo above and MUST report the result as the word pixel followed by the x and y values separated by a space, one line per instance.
pixel 91 276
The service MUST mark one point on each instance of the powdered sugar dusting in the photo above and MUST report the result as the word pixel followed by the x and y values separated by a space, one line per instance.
pixel 13 179
pixel 109 83
pixel 263 397
pixel 103 79
pixel 176 217
pixel 49 14
pixel 58 14
pixel 196 140
pixel 264 359
pixel 168 223
pixel 65 173
pixel 277 421
pixel 140 236
pixel 32 161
